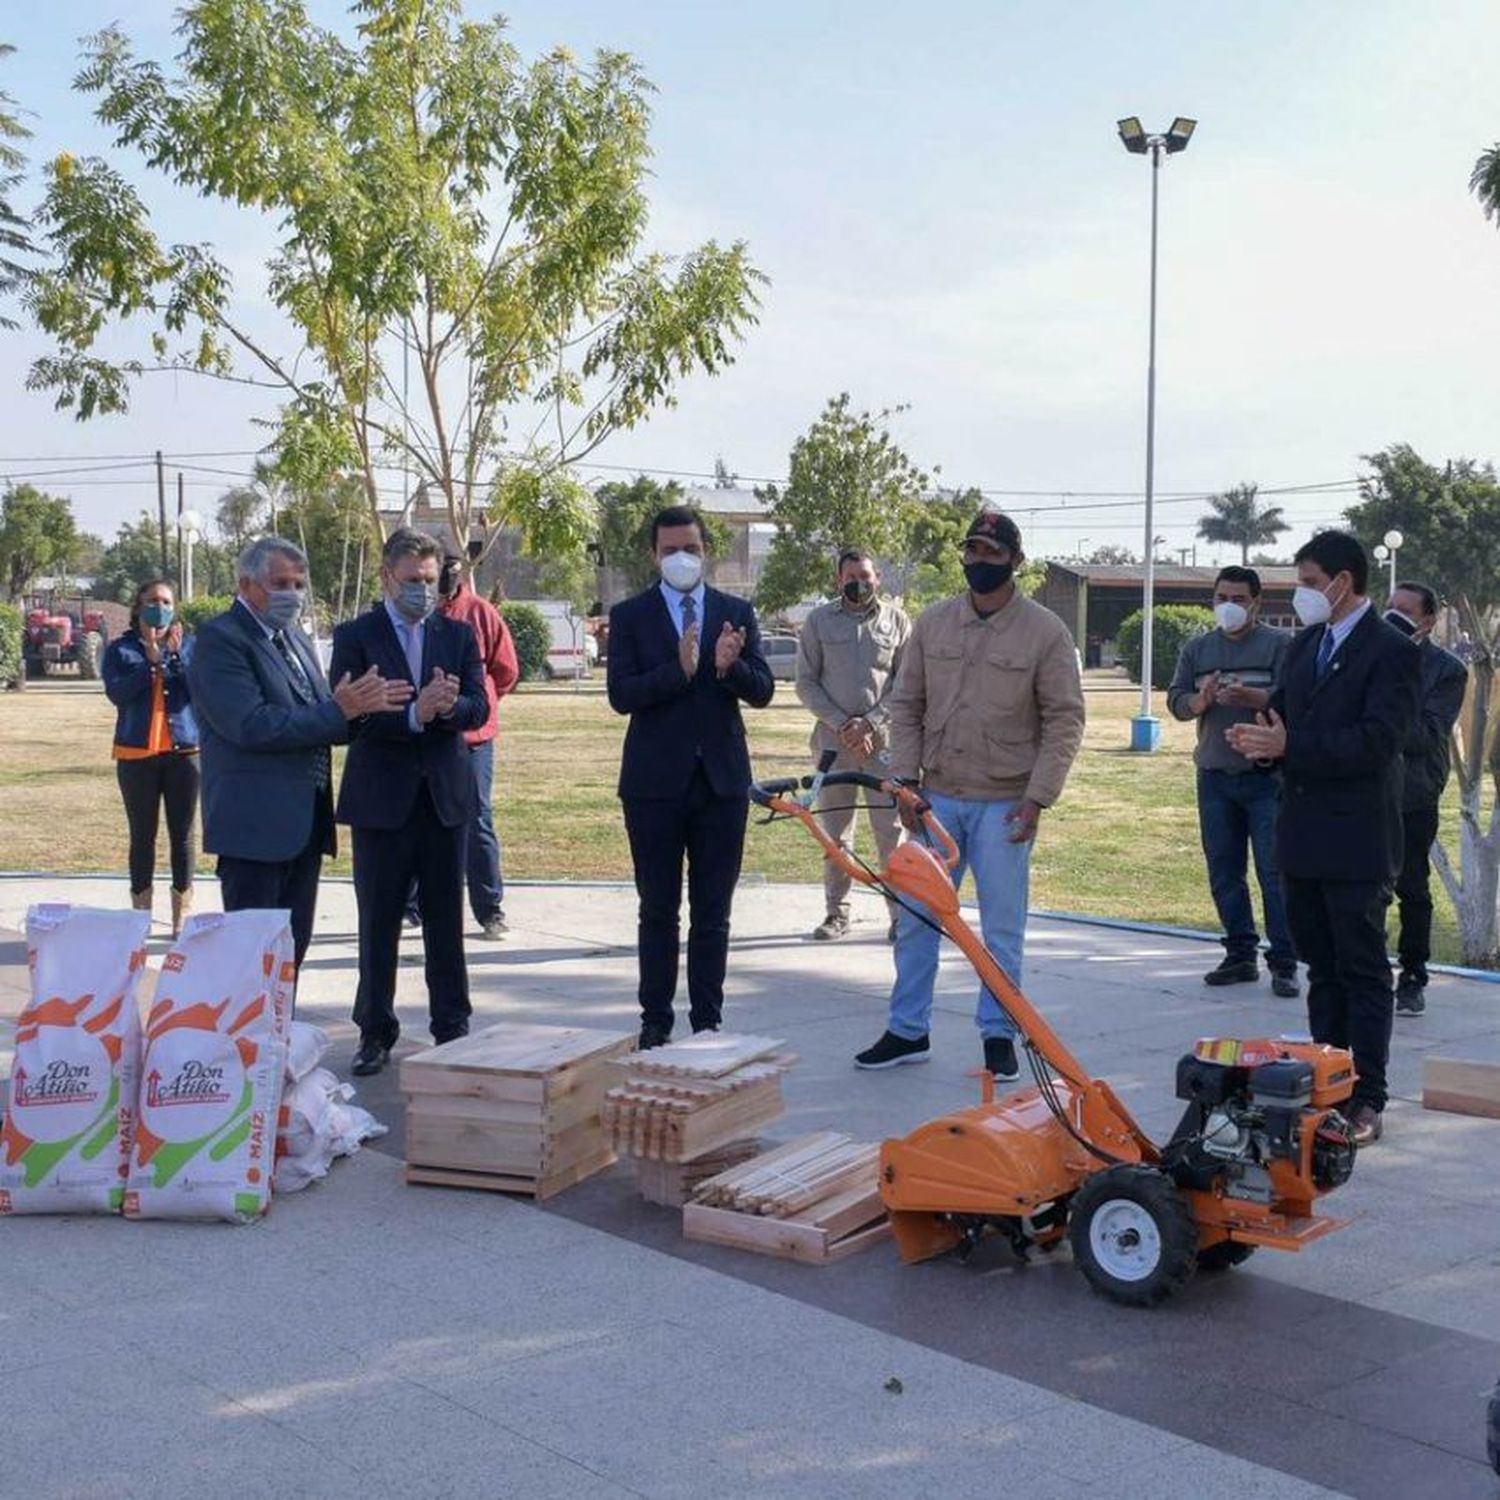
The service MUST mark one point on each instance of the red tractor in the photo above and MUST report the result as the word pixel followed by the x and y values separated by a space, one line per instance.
pixel 56 640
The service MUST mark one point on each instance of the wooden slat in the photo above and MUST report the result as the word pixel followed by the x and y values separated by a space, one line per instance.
pixel 539 1188
pixel 784 1238
pixel 1460 1087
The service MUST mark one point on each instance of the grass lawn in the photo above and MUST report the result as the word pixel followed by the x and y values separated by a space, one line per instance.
pixel 1122 843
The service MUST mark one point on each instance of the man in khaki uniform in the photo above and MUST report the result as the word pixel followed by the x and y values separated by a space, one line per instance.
pixel 847 659
pixel 987 713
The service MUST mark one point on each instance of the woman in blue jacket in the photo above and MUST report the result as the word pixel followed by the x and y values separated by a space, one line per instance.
pixel 156 742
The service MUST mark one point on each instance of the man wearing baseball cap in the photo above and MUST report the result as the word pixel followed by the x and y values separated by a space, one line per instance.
pixel 987 715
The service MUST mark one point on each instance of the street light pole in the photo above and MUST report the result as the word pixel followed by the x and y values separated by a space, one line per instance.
pixel 1145 729
pixel 1145 732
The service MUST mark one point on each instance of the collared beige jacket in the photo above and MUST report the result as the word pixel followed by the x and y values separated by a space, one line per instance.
pixel 847 662
pixel 988 709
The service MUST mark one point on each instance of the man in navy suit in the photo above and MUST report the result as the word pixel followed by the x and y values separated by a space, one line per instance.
pixel 1338 722
pixel 685 772
pixel 408 793
pixel 267 720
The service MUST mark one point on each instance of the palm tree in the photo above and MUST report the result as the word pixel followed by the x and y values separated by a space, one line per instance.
pixel 1484 182
pixel 1238 518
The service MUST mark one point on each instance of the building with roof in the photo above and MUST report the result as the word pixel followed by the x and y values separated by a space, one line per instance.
pixel 1092 599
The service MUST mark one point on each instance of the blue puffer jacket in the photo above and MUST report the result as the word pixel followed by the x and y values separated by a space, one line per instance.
pixel 127 680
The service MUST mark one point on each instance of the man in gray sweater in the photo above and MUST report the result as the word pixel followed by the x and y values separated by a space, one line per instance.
pixel 1225 677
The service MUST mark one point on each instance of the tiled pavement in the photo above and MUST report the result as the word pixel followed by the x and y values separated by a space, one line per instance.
pixel 370 1339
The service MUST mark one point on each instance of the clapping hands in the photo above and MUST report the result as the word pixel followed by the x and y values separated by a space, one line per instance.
pixel 437 699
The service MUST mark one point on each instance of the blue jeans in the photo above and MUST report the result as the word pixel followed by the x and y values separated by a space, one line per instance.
pixel 481 846
pixel 1236 813
pixel 1001 879
pixel 486 884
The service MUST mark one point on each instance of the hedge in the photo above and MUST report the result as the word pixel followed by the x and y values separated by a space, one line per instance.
pixel 532 635
pixel 12 624
pixel 1173 626
pixel 191 613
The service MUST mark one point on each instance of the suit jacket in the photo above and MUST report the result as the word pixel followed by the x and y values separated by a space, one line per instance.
pixel 261 738
pixel 675 722
pixel 388 761
pixel 1445 679
pixel 1340 815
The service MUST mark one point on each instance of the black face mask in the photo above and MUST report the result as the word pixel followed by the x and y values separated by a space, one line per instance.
pixel 1396 618
pixel 986 577
pixel 448 580
pixel 858 591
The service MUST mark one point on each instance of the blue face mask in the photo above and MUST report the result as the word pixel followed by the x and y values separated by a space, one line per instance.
pixel 416 600
pixel 157 616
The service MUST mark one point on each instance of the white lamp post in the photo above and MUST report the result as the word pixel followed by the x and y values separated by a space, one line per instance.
pixel 1145 730
pixel 189 529
pixel 1394 541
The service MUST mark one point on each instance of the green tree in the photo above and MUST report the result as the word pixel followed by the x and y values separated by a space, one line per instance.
pixel 625 512
pixel 1238 518
pixel 37 535
pixel 933 567
pixel 133 558
pixel 15 231
pixel 531 634
pixel 1112 556
pixel 574 578
pixel 447 212
pixel 331 523
pixel 848 484
pixel 1449 518
pixel 240 513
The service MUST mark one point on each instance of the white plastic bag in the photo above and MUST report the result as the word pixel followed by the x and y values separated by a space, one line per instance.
pixel 318 1125
pixel 65 1144
pixel 211 1072
pixel 306 1046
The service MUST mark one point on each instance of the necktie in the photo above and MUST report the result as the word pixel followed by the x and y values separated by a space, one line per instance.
pixel 413 645
pixel 294 665
pixel 1325 652
pixel 689 613
pixel 323 764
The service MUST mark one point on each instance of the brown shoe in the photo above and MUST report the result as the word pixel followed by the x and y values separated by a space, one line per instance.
pixel 141 900
pixel 182 904
pixel 1366 1124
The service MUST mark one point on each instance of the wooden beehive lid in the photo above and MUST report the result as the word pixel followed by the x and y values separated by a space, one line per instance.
pixel 710 1054
pixel 526 1051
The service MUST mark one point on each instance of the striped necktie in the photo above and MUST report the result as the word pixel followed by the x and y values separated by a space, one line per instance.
pixel 689 613
pixel 1325 652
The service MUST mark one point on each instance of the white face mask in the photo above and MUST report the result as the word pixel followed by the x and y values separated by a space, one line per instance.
pixel 1313 606
pixel 682 571
pixel 1231 616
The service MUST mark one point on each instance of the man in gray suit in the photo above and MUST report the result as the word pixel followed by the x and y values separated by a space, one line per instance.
pixel 267 719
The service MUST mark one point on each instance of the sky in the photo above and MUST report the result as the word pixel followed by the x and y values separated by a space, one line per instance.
pixel 951 225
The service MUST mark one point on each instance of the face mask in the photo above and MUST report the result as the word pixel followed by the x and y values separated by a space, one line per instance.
pixel 1401 622
pixel 682 570
pixel 1313 606
pixel 448 580
pixel 986 577
pixel 416 600
pixel 1231 616
pixel 283 608
pixel 859 591
pixel 157 616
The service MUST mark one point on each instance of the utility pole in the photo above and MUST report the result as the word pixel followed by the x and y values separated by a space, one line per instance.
pixel 179 529
pixel 161 508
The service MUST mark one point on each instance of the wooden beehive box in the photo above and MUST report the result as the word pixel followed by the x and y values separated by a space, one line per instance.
pixel 514 1109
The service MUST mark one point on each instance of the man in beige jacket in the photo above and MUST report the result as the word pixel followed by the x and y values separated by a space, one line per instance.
pixel 847 658
pixel 987 714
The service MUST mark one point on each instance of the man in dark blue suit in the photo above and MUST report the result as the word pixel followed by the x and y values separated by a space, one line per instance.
pixel 408 794
pixel 685 772
pixel 1338 722
pixel 268 719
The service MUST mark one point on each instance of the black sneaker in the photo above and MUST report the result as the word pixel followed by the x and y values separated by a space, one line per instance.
pixel 1234 971
pixel 892 1050
pixel 1284 983
pixel 653 1036
pixel 1000 1059
pixel 1411 998
pixel 834 926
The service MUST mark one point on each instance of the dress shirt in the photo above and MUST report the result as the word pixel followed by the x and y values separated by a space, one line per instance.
pixel 674 598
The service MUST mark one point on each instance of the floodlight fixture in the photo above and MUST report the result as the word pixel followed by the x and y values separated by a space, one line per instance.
pixel 1133 134
pixel 1180 134
pixel 1394 540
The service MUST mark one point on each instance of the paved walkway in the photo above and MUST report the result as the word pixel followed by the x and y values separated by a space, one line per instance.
pixel 369 1339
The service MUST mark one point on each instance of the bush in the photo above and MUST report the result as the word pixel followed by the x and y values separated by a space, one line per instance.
pixel 1173 626
pixel 532 635
pixel 12 624
pixel 193 612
